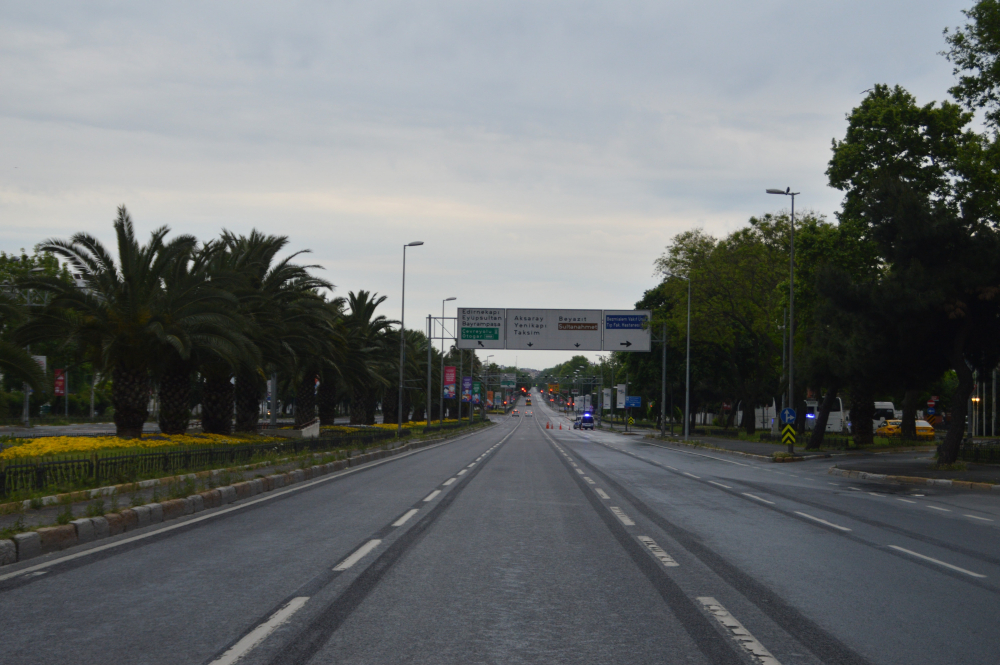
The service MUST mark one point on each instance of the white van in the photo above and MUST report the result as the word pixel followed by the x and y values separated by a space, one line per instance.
pixel 884 411
pixel 836 422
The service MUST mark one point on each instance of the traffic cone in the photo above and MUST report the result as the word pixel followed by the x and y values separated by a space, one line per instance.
pixel 560 425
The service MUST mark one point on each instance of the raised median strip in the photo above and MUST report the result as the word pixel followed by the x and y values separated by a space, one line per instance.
pixel 45 540
pixel 911 480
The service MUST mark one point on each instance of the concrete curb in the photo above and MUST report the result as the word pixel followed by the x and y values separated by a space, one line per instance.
pixel 737 453
pixel 30 544
pixel 911 480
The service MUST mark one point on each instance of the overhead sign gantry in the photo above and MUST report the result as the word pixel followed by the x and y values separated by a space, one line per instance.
pixel 554 329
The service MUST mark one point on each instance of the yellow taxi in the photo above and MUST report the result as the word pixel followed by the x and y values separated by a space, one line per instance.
pixel 895 428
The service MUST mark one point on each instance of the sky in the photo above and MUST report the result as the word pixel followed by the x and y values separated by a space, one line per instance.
pixel 544 152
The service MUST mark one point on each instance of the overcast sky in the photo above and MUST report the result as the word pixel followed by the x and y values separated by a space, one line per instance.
pixel 545 152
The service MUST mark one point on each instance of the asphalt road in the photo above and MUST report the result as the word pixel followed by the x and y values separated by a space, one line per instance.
pixel 520 544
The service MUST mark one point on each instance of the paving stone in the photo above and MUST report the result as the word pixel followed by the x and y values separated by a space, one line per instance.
pixel 101 527
pixel 213 498
pixel 242 490
pixel 155 512
pixel 8 552
pixel 116 523
pixel 142 516
pixel 55 538
pixel 84 530
pixel 228 493
pixel 28 545
pixel 175 508
pixel 197 502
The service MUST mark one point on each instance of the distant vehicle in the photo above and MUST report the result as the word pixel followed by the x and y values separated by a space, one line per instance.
pixel 529 414
pixel 834 423
pixel 884 411
pixel 515 414
pixel 587 421
pixel 527 402
pixel 576 423
pixel 895 428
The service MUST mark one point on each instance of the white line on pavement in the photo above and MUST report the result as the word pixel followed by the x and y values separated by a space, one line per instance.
pixel 976 517
pixel 816 519
pixel 670 467
pixel 432 495
pixel 580 471
pixel 754 496
pixel 601 493
pixel 854 489
pixel 472 465
pixel 358 555
pixel 943 510
pixel 905 500
pixel 940 563
pixel 588 480
pixel 658 552
pixel 720 485
pixel 407 515
pixel 462 472
pixel 620 514
pixel 449 481
pixel 692 475
pixel 738 632
pixel 260 633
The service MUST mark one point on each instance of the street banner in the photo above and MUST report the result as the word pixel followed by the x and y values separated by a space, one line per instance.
pixel 449 382
pixel 466 389
pixel 477 388
pixel 41 360
pixel 621 395
pixel 554 329
pixel 606 398
pixel 626 330
pixel 480 328
pixel 489 398
pixel 60 382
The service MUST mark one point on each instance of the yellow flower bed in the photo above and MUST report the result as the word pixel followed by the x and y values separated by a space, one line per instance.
pixel 340 429
pixel 60 445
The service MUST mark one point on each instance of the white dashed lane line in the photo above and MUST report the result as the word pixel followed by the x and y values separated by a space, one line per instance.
pixel 720 485
pixel 588 480
pixel 580 471
pixel 943 510
pixel 754 496
pixel 260 633
pixel 462 472
pixel 620 514
pixel 449 481
pixel 433 494
pixel 358 555
pixel 905 500
pixel 976 517
pixel 816 519
pixel 937 561
pixel 692 475
pixel 407 515
pixel 738 632
pixel 658 552
pixel 601 493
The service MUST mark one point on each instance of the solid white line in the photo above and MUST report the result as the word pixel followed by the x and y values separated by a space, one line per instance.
pixel 753 496
pixel 620 514
pixel 432 495
pixel 943 510
pixel 670 467
pixel 738 632
pixel 601 493
pixel 816 519
pixel 462 472
pixel 976 517
pixel 407 515
pixel 260 633
pixel 905 500
pixel 720 485
pixel 658 552
pixel 692 475
pixel 358 555
pixel 940 563
pixel 449 481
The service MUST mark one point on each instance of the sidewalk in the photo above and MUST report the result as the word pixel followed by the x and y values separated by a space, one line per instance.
pixel 920 465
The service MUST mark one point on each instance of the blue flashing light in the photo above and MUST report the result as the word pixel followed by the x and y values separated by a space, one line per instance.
pixel 810 415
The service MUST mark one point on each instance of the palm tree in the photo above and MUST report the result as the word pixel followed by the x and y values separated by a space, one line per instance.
pixel 365 340
pixel 14 359
pixel 121 318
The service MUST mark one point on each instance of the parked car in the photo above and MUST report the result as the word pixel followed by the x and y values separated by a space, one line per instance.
pixel 587 421
pixel 895 428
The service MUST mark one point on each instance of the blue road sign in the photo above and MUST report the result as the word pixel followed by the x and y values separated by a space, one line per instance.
pixel 633 402
pixel 787 416
pixel 929 410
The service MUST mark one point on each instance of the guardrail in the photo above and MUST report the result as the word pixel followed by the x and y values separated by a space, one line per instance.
pixel 985 451
pixel 102 469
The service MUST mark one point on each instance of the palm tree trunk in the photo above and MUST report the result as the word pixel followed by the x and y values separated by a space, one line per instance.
pixel 305 400
pixel 249 388
pixel 130 397
pixel 371 401
pixel 390 405
pixel 175 397
pixel 359 401
pixel 327 400
pixel 407 405
pixel 217 405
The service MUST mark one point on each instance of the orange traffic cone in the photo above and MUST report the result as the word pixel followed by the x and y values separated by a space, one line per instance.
pixel 560 425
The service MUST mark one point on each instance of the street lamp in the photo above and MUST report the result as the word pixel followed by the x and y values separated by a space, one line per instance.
pixel 402 339
pixel 791 303
pixel 442 356
pixel 687 369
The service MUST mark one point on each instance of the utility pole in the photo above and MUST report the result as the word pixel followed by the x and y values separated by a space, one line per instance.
pixel 430 343
pixel 663 385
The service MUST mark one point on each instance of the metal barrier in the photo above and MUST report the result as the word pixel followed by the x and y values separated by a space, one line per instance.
pixel 982 451
pixel 97 469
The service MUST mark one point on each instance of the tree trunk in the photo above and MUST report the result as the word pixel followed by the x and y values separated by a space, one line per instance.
pixel 175 397
pixel 370 403
pixel 390 405
pixel 407 406
pixel 749 417
pixel 909 428
pixel 359 404
pixel 249 389
pixel 130 397
pixel 800 419
pixel 948 451
pixel 327 400
pixel 217 404
pixel 305 400
pixel 862 413
pixel 819 430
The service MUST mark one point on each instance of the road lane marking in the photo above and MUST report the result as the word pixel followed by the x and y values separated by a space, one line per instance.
pixel 670 467
pixel 580 471
pixel 943 510
pixel 432 495
pixel 720 485
pixel 471 465
pixel 407 515
pixel 976 517
pixel 462 472
pixel 692 475
pixel 754 496
pixel 854 489
pixel 738 632
pixel 938 562
pixel 588 480
pixel 601 493
pixel 358 555
pixel 620 514
pixel 658 552
pixel 816 519
pixel 876 494
pixel 260 633
pixel 449 481
pixel 905 500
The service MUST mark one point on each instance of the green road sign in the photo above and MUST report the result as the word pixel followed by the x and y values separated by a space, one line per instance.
pixel 788 435
pixel 481 333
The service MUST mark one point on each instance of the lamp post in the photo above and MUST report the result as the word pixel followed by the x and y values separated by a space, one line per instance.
pixel 791 302
pixel 402 339
pixel 687 368
pixel 441 413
